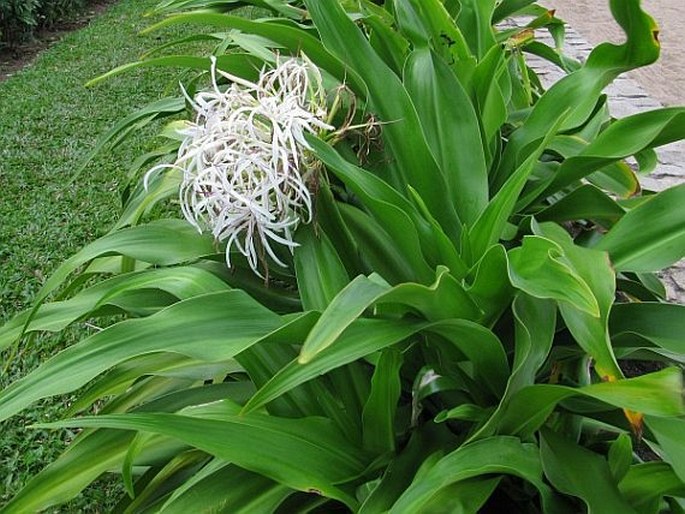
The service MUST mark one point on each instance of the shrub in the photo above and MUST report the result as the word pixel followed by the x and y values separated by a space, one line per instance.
pixel 450 331
pixel 17 18
pixel 20 18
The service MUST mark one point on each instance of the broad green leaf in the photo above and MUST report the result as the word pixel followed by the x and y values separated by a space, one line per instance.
pixel 540 268
pixel 395 211
pixel 620 456
pixel 661 324
pixel 490 225
pixel 646 484
pixel 297 40
pixel 363 337
pixel 430 23
pixel 422 446
pixel 447 115
pixel 580 90
pixel 656 394
pixel 149 113
pixel 412 162
pixel 587 202
pixel 241 491
pixel 243 65
pixel 508 7
pixel 475 22
pixel 378 417
pixel 625 137
pixel 343 309
pixel 488 290
pixel 444 299
pixel 463 497
pixel 590 332
pixel 579 472
pixel 94 452
pixel 670 434
pixel 388 43
pixel 493 455
pixel 306 454
pixel 211 327
pixel 320 273
pixel 482 349
pixel 378 251
pixel 162 243
pixel 651 236
pixel 179 466
pixel 182 282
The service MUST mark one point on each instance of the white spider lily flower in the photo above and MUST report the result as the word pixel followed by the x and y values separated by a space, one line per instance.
pixel 242 159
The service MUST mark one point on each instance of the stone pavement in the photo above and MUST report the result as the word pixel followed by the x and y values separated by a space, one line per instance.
pixel 625 97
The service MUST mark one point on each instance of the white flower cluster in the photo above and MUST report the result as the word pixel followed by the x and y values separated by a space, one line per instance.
pixel 242 158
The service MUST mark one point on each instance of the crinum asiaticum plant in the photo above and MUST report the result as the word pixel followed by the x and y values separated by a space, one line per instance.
pixel 450 329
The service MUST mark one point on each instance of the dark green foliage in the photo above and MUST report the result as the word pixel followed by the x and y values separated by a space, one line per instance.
pixel 19 19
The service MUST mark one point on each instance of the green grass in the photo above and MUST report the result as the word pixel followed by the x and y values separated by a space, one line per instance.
pixel 48 123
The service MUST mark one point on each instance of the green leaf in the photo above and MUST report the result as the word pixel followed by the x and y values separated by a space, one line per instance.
pixel 579 472
pixel 320 273
pixel 182 282
pixel 488 290
pixel 447 115
pixel 490 225
pixel 590 332
pixel 580 90
pixel 661 324
pixel 493 455
pixel 241 491
pixel 670 434
pixel 378 417
pixel 162 242
pixel 657 394
pixel 620 456
pixel 587 202
pixel 363 337
pixel 625 137
pixel 475 22
pixel 346 307
pixel 94 452
pixel 397 214
pixel 444 299
pixel 482 349
pixel 651 236
pixel 211 327
pixel 243 65
pixel 540 268
pixel 412 162
pixel 646 484
pixel 295 39
pixel 149 113
pixel 306 454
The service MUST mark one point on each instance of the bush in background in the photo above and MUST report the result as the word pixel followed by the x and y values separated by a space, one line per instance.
pixel 19 19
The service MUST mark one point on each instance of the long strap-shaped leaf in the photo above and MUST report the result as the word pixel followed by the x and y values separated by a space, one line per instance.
pixel 306 454
pixel 244 65
pixel 451 126
pixel 413 163
pixel 580 90
pixel 651 236
pixel 445 299
pixel 94 452
pixel 182 282
pixel 212 327
pixel 493 455
pixel 297 40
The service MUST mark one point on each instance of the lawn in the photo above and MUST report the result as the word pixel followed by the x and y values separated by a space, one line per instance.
pixel 48 124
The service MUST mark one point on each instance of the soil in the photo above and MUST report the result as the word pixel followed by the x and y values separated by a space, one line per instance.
pixel 15 59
